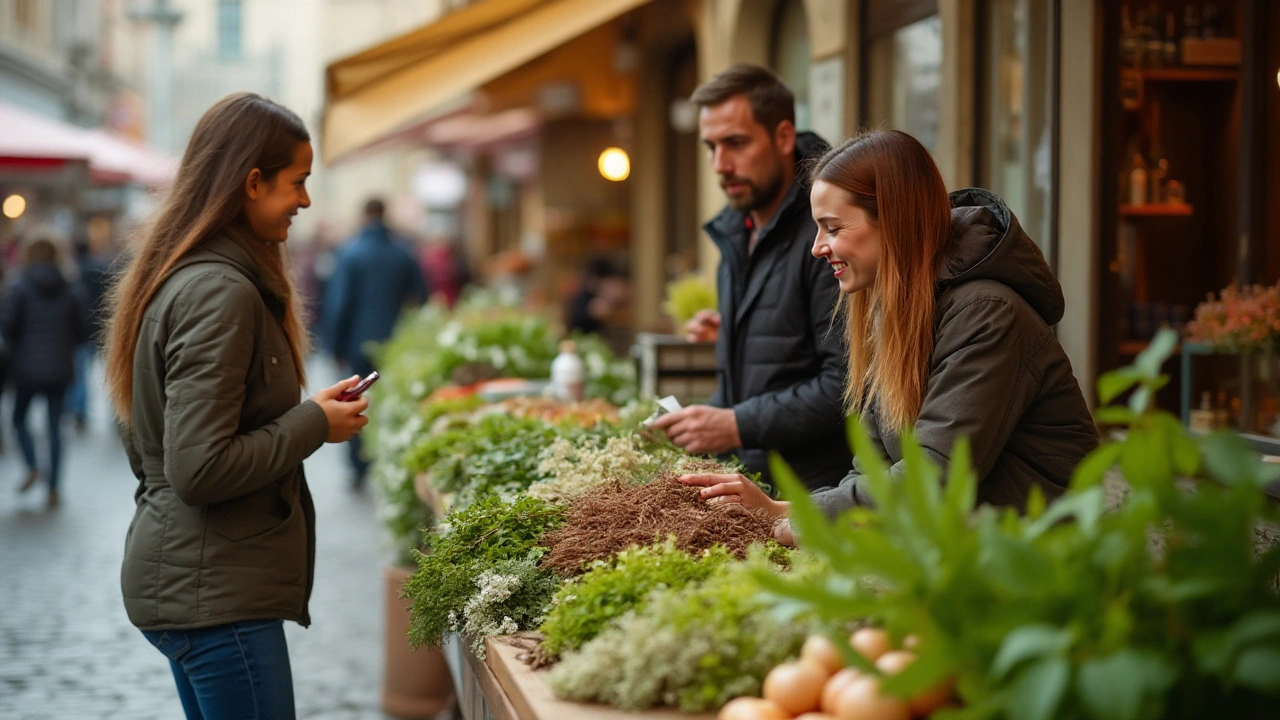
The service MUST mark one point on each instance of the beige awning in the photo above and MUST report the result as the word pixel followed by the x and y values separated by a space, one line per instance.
pixel 377 92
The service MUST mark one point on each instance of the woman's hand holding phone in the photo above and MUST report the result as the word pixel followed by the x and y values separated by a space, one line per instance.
pixel 345 417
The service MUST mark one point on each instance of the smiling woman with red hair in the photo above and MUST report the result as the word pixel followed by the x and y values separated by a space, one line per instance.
pixel 950 307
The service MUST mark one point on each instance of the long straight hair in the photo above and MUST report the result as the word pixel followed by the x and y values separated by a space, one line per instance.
pixel 240 132
pixel 890 326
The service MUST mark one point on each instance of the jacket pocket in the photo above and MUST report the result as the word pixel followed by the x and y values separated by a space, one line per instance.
pixel 251 516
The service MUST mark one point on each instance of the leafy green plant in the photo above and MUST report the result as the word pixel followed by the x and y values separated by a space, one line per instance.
pixel 696 646
pixel 433 346
pixel 1161 608
pixel 471 542
pixel 511 597
pixel 686 296
pixel 585 605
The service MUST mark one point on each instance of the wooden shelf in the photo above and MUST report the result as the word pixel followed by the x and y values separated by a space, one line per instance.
pixel 1187 74
pixel 1183 210
pixel 1131 348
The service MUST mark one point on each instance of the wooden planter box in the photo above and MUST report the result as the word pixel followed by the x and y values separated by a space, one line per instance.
pixel 502 687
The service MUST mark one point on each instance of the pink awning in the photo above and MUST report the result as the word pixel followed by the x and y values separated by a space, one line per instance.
pixel 112 159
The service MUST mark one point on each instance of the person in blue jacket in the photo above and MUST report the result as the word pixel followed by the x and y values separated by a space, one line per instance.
pixel 374 278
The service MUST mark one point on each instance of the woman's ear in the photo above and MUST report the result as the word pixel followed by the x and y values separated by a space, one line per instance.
pixel 253 185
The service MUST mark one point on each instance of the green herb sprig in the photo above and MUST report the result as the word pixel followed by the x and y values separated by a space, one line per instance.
pixel 471 542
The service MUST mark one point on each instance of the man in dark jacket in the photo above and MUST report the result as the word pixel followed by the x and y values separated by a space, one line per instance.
pixel 43 323
pixel 781 365
pixel 374 278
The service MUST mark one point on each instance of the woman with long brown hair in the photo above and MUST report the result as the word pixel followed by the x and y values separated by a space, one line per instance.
pixel 205 361
pixel 950 307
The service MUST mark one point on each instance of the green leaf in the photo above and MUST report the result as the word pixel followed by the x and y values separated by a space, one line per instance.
pixel 1127 685
pixel 1036 691
pixel 1112 384
pixel 1229 460
pixel 962 481
pixel 1028 643
pixel 1013 564
pixel 1086 506
pixel 1093 469
pixel 1114 415
pixel 1259 669
pixel 1160 349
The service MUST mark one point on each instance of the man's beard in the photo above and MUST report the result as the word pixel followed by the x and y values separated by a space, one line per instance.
pixel 756 197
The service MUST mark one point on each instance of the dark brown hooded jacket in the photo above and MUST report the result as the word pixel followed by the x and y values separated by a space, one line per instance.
pixel 997 374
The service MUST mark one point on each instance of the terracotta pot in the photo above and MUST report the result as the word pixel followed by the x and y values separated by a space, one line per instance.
pixel 415 684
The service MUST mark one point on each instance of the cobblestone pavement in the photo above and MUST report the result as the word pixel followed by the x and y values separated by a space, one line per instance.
pixel 67 650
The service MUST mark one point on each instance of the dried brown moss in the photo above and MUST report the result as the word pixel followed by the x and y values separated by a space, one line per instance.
pixel 619 516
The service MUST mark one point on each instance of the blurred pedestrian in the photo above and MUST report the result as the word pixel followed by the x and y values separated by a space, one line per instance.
pixel 43 323
pixel 445 269
pixel 602 292
pixel 91 285
pixel 205 363
pixel 374 278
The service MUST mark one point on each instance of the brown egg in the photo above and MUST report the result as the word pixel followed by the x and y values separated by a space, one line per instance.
pixel 895 661
pixel 862 701
pixel 871 643
pixel 836 685
pixel 815 716
pixel 795 687
pixel 751 708
pixel 819 649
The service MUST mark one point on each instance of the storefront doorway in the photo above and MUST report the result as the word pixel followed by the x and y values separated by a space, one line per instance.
pixel 1188 116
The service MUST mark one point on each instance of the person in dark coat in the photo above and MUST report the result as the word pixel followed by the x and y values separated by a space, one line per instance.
pixel 43 324
pixel 780 366
pixel 951 308
pixel 374 278
pixel 91 285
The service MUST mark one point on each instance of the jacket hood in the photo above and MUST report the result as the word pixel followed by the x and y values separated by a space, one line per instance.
pixel 809 147
pixel 46 279
pixel 988 243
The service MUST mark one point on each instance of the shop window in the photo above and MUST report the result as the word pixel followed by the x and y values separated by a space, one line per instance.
pixel 1017 144
pixel 230 29
pixel 791 55
pixel 905 68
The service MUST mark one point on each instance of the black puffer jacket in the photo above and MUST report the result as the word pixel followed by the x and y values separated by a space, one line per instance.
pixel 43 322
pixel 781 364
pixel 997 374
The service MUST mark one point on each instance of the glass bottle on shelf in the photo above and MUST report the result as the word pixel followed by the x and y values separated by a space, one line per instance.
pixel 1169 54
pixel 1152 44
pixel 1201 420
pixel 1129 43
pixel 1191 21
pixel 1138 181
pixel 1211 20
pixel 1159 174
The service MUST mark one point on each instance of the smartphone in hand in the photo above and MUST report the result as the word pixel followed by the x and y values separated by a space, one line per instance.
pixel 355 391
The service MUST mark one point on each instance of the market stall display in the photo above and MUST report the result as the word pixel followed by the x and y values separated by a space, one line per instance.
pixel 567 528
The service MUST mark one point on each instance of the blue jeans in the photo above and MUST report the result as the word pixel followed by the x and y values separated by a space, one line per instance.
pixel 78 393
pixel 230 672
pixel 361 366
pixel 22 397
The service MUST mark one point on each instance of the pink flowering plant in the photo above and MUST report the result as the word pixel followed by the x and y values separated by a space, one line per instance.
pixel 1239 319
